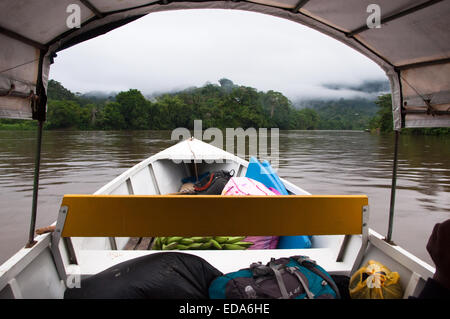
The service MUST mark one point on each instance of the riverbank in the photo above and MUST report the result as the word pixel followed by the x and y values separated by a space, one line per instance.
pixel 220 106
pixel 435 131
pixel 27 125
pixel 21 125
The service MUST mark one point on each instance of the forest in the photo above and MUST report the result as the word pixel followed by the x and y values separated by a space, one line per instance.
pixel 219 105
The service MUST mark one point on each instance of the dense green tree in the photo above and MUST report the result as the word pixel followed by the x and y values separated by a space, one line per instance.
pixel 134 109
pixel 227 105
pixel 304 119
pixel 55 91
pixel 63 114
pixel 172 112
pixel 110 118
pixel 277 108
pixel 226 84
pixel 384 114
pixel 343 114
pixel 311 118
pixel 222 106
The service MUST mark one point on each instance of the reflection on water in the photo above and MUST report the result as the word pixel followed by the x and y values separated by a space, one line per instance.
pixel 322 162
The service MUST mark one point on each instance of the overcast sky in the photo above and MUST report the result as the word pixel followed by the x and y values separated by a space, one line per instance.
pixel 173 50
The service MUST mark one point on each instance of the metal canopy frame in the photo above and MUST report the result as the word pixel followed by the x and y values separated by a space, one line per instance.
pixel 91 7
pixel 395 16
pixel 98 15
pixel 22 39
pixel 296 10
pixel 296 14
pixel 421 64
pixel 299 5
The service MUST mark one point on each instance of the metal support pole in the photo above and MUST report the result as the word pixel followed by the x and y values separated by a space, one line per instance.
pixel 393 189
pixel 37 164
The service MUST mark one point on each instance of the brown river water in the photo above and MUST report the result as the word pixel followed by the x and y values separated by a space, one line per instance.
pixel 321 162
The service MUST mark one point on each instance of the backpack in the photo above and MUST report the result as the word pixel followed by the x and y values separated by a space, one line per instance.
pixel 213 184
pixel 295 277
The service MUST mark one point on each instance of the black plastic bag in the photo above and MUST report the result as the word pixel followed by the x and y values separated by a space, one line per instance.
pixel 168 275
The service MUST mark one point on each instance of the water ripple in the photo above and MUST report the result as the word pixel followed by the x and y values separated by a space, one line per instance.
pixel 322 162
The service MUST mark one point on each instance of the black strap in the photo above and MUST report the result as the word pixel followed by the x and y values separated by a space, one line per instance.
pixel 310 265
pixel 280 281
pixel 263 272
pixel 297 273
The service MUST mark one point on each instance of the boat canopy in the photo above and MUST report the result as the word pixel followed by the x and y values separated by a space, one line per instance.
pixel 410 43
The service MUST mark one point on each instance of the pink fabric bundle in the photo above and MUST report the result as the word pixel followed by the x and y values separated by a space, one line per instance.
pixel 246 186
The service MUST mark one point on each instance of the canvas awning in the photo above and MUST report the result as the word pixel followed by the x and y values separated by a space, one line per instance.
pixel 412 45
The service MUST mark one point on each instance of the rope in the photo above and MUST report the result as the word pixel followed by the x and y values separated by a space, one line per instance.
pixel 18 66
pixel 430 109
pixel 195 163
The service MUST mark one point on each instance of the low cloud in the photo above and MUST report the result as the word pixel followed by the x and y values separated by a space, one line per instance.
pixel 168 51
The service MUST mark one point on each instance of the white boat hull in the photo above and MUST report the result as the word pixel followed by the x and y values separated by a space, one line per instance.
pixel 32 272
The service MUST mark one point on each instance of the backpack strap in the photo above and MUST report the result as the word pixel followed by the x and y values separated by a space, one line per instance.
pixel 295 271
pixel 199 188
pixel 279 278
pixel 261 272
pixel 277 269
pixel 311 265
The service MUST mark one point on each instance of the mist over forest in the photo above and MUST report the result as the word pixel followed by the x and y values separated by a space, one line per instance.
pixel 222 104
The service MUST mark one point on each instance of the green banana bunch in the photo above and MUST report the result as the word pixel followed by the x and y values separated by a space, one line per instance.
pixel 200 243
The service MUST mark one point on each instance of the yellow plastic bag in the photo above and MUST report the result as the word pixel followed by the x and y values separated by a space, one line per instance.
pixel 375 281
